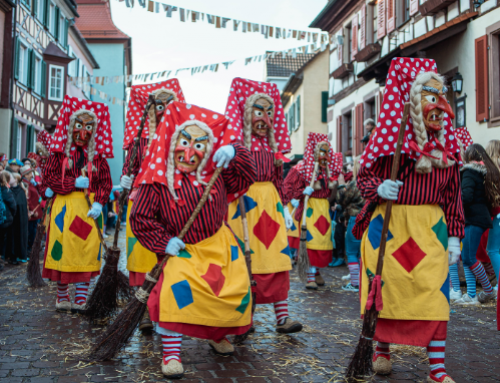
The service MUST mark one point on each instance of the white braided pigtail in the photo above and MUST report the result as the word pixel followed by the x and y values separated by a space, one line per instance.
pixel 424 164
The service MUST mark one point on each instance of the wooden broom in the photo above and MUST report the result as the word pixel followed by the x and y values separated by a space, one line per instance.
pixel 33 273
pixel 112 284
pixel 118 333
pixel 361 364
pixel 238 339
pixel 303 263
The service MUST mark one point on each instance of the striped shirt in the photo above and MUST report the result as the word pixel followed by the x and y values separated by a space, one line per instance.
pixel 101 180
pixel 440 187
pixel 268 172
pixel 155 217
pixel 141 152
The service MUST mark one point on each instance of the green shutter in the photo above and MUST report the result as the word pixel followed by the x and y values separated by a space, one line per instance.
pixel 324 106
pixel 56 25
pixel 29 138
pixel 66 27
pixel 44 79
pixel 46 14
pixel 30 78
pixel 16 59
pixel 13 141
pixel 35 8
pixel 292 118
pixel 298 113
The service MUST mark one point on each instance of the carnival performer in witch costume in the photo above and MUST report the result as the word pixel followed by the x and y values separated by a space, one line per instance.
pixel 204 291
pixel 41 155
pixel 82 141
pixel 139 259
pixel 257 118
pixel 427 219
pixel 319 230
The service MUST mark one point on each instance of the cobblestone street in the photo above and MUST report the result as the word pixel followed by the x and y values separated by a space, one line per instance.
pixel 40 345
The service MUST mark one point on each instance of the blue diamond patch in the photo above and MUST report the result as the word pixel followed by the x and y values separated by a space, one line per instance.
pixel 60 219
pixel 182 293
pixel 249 205
pixel 375 231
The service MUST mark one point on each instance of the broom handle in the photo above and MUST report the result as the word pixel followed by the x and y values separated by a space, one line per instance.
pixel 246 237
pixel 124 194
pixel 99 233
pixel 292 214
pixel 306 199
pixel 394 175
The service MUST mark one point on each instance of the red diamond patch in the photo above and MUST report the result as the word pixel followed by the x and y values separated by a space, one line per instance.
pixel 80 228
pixel 214 278
pixel 409 255
pixel 322 225
pixel 266 229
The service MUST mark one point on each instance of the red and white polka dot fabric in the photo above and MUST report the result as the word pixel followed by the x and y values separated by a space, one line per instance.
pixel 464 136
pixel 103 136
pixel 138 98
pixel 240 90
pixel 154 166
pixel 402 73
pixel 44 138
pixel 307 167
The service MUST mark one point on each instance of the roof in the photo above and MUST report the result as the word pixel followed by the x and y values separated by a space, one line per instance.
pixel 317 22
pixel 84 46
pixel 284 66
pixel 95 21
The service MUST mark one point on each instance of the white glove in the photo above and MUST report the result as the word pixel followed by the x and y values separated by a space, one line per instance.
pixel 308 191
pixel 49 193
pixel 288 218
pixel 174 246
pixel 82 182
pixel 126 182
pixel 295 203
pixel 224 155
pixel 95 211
pixel 453 250
pixel 389 189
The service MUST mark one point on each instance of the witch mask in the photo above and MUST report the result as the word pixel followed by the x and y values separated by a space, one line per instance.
pixel 262 117
pixel 83 129
pixel 163 97
pixel 323 155
pixel 434 105
pixel 190 149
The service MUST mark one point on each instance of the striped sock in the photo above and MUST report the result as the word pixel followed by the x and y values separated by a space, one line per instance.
pixel 488 267
pixel 171 347
pixel 62 292
pixel 82 290
pixel 435 351
pixel 454 278
pixel 281 311
pixel 311 274
pixel 481 276
pixel 471 282
pixel 383 350
pixel 354 270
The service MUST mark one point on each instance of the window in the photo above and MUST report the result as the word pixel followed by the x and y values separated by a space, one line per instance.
pixel 403 11
pixel 348 120
pixel 53 19
pixel 23 63
pixel 37 75
pixel 488 76
pixel 347 44
pixel 347 133
pixel 370 109
pixel 297 113
pixel 62 29
pixel 19 143
pixel 374 11
pixel 56 82
pixel 40 10
pixel 72 65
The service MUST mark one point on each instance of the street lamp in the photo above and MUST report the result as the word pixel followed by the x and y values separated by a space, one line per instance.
pixel 457 82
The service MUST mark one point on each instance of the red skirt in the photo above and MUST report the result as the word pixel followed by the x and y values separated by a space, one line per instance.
pixel 320 258
pixel 271 288
pixel 136 278
pixel 192 330
pixel 294 242
pixel 64 276
pixel 410 332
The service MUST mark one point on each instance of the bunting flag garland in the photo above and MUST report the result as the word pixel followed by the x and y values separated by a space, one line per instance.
pixel 225 22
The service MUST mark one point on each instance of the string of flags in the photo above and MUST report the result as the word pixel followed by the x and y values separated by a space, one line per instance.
pixel 222 22
pixel 165 74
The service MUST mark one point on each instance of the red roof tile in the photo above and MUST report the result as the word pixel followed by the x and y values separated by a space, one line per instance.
pixel 95 21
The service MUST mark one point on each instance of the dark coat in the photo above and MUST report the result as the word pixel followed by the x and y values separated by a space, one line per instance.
pixel 33 201
pixel 10 206
pixel 474 196
pixel 19 228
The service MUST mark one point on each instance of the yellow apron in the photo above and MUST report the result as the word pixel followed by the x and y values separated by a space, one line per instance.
pixel 73 244
pixel 207 284
pixel 294 230
pixel 139 259
pixel 319 224
pixel 266 226
pixel 415 274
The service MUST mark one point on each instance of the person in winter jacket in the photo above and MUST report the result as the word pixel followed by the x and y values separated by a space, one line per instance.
pixel 17 235
pixel 10 210
pixel 493 246
pixel 480 176
pixel 34 203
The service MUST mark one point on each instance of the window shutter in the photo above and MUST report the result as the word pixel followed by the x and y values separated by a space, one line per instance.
pixel 340 49
pixel 339 134
pixel 324 106
pixel 56 23
pixel 413 7
pixel 381 19
pixel 298 113
pixel 391 15
pixel 292 118
pixel 358 131
pixel 35 7
pixel 362 28
pixel 13 141
pixel 46 13
pixel 29 139
pixel 44 79
pixel 482 102
pixel 354 42
pixel 16 59
pixel 31 69
pixel 66 27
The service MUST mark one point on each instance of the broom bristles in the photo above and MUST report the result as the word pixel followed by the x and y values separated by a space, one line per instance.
pixel 33 273
pixel 303 264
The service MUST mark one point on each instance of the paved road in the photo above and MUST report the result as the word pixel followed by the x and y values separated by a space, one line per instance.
pixel 40 345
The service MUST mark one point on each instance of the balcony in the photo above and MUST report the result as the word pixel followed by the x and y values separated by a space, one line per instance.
pixel 367 52
pixel 431 7
pixel 343 71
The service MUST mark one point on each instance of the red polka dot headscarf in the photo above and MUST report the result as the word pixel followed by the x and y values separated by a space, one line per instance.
pixel 138 99
pixel 402 74
pixel 43 140
pixel 241 90
pixel 306 169
pixel 158 166
pixel 464 136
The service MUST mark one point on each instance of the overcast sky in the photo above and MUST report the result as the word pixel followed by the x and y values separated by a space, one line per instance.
pixel 160 43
